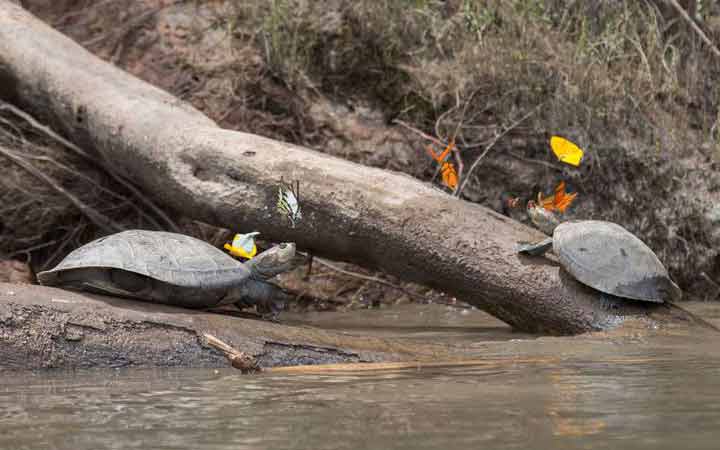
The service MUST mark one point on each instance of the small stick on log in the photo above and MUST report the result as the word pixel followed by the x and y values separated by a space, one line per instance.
pixel 238 359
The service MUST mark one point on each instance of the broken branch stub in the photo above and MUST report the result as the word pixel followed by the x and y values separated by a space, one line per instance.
pixel 376 218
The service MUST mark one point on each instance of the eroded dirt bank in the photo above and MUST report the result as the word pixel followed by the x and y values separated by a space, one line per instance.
pixel 374 217
pixel 333 76
pixel 663 191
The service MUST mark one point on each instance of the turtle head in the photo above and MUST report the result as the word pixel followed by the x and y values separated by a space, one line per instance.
pixel 508 202
pixel 276 260
pixel 543 219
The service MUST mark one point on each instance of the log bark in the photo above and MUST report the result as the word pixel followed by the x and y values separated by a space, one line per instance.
pixel 372 217
pixel 43 328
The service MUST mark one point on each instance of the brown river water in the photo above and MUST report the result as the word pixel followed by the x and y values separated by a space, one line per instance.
pixel 602 391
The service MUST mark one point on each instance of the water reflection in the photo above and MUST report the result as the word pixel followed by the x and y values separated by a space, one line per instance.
pixel 598 392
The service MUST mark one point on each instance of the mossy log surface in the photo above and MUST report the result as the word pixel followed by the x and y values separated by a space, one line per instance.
pixel 373 217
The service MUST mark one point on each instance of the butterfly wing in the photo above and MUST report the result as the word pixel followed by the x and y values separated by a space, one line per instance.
pixel 563 199
pixel 288 202
pixel 245 244
pixel 546 202
pixel 442 156
pixel 560 201
pixel 449 175
pixel 241 250
pixel 566 151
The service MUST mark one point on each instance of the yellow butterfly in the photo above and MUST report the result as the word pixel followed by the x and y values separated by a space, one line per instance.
pixel 566 151
pixel 243 245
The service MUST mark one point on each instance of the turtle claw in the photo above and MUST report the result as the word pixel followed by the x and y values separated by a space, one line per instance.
pixel 267 309
pixel 270 310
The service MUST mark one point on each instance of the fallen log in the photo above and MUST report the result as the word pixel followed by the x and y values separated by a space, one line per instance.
pixel 372 217
pixel 42 328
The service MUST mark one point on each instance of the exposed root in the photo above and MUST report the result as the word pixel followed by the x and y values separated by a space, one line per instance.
pixel 477 161
pixel 74 148
pixel 686 17
pixel 102 221
pixel 332 266
pixel 77 201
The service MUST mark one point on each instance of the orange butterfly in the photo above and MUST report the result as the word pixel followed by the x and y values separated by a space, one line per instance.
pixel 558 201
pixel 449 175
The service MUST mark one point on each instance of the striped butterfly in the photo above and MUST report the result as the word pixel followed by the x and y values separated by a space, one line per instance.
pixel 289 201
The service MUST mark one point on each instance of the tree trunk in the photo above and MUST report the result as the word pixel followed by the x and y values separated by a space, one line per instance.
pixel 372 217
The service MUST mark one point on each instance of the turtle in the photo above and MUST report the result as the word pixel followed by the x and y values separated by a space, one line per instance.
pixel 543 219
pixel 606 257
pixel 174 269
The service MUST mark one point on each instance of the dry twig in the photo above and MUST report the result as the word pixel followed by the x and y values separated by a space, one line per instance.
pixel 101 220
pixel 490 146
pixel 61 248
pixel 695 27
pixel 331 266
pixel 420 133
pixel 238 359
pixel 96 185
pixel 455 151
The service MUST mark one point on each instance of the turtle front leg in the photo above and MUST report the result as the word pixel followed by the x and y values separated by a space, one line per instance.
pixel 536 249
pixel 268 298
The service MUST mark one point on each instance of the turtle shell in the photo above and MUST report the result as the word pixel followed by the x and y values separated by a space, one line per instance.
pixel 607 257
pixel 153 265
